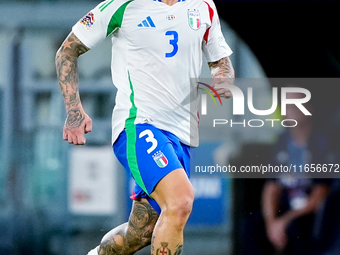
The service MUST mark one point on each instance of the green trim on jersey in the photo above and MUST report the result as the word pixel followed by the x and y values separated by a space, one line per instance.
pixel 117 18
pixel 131 138
pixel 130 121
pixel 105 4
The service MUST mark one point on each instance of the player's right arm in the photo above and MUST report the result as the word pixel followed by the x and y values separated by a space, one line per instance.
pixel 94 27
pixel 77 121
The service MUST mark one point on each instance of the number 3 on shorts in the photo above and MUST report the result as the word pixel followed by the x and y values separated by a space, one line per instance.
pixel 149 139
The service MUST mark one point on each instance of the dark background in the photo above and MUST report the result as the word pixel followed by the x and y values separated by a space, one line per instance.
pixel 290 38
pixel 297 39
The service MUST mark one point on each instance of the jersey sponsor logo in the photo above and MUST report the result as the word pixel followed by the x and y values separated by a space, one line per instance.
pixel 148 22
pixel 194 19
pixel 160 159
pixel 88 20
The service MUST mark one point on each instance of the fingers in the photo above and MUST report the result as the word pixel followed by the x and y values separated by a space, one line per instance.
pixel 81 140
pixel 88 126
pixel 75 138
pixel 65 135
pixel 223 92
pixel 75 135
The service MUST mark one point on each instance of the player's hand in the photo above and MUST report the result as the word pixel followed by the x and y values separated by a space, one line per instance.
pixel 217 84
pixel 76 125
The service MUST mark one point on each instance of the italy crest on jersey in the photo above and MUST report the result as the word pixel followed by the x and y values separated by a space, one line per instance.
pixel 194 18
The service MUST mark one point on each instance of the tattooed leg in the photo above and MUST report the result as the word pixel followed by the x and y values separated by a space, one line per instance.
pixel 132 236
pixel 176 207
pixel 166 251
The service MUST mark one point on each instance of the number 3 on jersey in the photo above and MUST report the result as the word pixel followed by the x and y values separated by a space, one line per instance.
pixel 173 42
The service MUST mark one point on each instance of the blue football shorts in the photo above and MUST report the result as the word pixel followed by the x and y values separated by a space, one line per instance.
pixel 149 154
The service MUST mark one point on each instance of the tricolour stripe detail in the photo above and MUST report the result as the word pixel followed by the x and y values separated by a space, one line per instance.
pixel 131 138
pixel 211 15
pixel 117 18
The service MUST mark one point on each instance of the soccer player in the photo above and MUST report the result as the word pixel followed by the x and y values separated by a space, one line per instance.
pixel 157 48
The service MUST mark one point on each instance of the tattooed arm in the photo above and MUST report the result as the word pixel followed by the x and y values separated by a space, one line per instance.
pixel 222 72
pixel 77 122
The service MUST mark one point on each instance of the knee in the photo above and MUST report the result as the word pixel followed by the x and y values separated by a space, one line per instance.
pixel 178 211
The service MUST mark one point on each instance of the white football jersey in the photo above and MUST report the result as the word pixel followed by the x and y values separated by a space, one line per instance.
pixel 156 51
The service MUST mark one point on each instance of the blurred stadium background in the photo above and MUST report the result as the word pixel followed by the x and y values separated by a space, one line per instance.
pixel 48 205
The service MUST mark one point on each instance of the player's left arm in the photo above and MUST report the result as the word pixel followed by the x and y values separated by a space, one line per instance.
pixel 222 72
